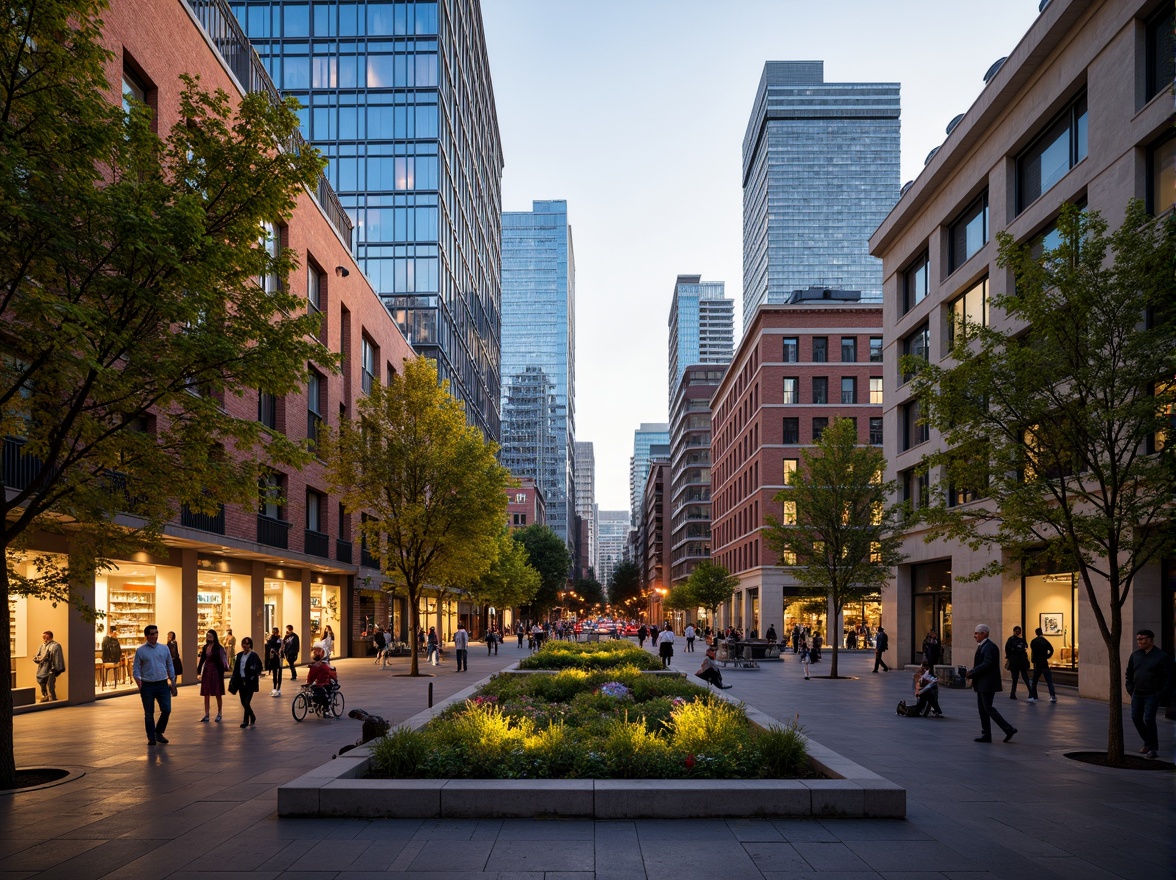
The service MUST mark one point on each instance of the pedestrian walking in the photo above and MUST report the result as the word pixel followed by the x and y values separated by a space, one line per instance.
pixel 642 635
pixel 881 643
pixel 156 679
pixel 273 660
pixel 795 638
pixel 491 642
pixel 1040 650
pixel 211 670
pixel 986 682
pixel 433 647
pixel 690 637
pixel 805 656
pixel 461 647
pixel 173 648
pixel 230 646
pixel 246 680
pixel 1017 661
pixel 1149 675
pixel 380 643
pixel 815 650
pixel 521 633
pixel 50 662
pixel 665 646
pixel 290 651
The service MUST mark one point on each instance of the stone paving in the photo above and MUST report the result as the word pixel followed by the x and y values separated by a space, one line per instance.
pixel 205 805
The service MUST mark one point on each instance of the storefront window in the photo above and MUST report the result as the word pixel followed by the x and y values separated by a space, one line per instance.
pixel 127 596
pixel 931 608
pixel 1051 603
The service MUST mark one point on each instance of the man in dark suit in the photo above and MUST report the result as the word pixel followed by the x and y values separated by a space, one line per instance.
pixel 986 682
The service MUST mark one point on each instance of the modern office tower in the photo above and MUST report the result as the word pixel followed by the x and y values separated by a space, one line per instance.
pixel 399 99
pixel 586 498
pixel 611 539
pixel 648 435
pixel 651 549
pixel 539 354
pixel 702 326
pixel 1081 113
pixel 798 366
pixel 689 499
pixel 820 172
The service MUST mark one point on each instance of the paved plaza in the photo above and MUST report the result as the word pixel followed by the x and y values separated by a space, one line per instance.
pixel 205 805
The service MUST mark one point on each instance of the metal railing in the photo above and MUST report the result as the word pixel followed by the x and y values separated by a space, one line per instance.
pixel 343 550
pixel 234 47
pixel 316 544
pixel 273 532
pixel 20 470
pixel 214 523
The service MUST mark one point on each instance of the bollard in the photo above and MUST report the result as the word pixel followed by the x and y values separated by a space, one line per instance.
pixel 430 695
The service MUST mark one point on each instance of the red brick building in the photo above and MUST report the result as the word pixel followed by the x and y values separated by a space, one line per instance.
pixel 798 366
pixel 525 505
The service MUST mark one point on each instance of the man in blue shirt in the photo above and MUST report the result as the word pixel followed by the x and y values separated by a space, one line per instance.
pixel 156 677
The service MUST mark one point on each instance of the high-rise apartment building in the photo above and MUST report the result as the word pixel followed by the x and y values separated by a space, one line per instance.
pixel 649 435
pixel 398 97
pixel 1079 113
pixel 586 498
pixel 689 499
pixel 820 172
pixel 702 326
pixel 539 354
pixel 611 538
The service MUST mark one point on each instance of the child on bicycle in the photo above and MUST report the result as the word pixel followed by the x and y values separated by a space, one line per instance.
pixel 320 675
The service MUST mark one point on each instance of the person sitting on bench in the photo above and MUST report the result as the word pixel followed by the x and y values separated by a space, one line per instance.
pixel 709 671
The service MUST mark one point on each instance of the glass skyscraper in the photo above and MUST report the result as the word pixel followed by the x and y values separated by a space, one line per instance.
pixel 820 172
pixel 649 435
pixel 539 356
pixel 702 326
pixel 398 97
pixel 585 457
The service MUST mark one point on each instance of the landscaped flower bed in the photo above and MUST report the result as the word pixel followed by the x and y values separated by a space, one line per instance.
pixel 592 724
pixel 598 655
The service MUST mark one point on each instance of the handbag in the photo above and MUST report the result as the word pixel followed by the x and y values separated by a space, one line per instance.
pixel 233 686
pixel 1007 665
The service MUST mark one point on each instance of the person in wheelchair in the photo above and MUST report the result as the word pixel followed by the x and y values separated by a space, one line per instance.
pixel 321 677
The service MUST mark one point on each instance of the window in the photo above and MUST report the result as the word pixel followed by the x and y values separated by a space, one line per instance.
pixel 875 431
pixel 133 89
pixel 315 511
pixel 918 344
pixel 267 410
pixel 914 429
pixel 876 390
pixel 791 391
pixel 968 234
pixel 1160 67
pixel 848 389
pixel 848 349
pixel 1161 172
pixel 370 356
pixel 314 407
pixel 915 283
pixel 915 488
pixel 791 350
pixel 344 521
pixel 314 297
pixel 270 243
pixel 1059 148
pixel 820 389
pixel 957 496
pixel 788 514
pixel 820 349
pixel 969 309
pixel 790 470
pixel 791 431
pixel 875 349
pixel 269 490
pixel 819 425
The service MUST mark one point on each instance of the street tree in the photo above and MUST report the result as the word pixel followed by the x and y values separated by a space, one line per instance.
pixel 680 598
pixel 709 586
pixel 589 592
pixel 1061 425
pixel 836 532
pixel 548 555
pixel 624 587
pixel 130 306
pixel 510 581
pixel 433 494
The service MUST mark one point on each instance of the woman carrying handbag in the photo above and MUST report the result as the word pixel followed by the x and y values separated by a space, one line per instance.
pixel 246 680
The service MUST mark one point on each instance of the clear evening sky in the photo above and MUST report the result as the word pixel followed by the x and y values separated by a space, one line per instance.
pixel 634 111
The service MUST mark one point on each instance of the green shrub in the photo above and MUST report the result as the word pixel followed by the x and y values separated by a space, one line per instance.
pixel 782 752
pixel 399 753
pixel 633 752
pixel 601 655
pixel 709 726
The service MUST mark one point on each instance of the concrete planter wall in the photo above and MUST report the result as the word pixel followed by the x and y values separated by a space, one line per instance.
pixel 339 789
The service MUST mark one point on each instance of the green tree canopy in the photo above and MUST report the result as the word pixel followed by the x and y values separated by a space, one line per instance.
pixel 129 303
pixel 589 593
pixel 1062 426
pixel 709 586
pixel 434 495
pixel 510 581
pixel 837 532
pixel 549 556
pixel 624 587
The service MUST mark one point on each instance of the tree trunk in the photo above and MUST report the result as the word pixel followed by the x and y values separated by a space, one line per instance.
pixel 7 753
pixel 831 640
pixel 1113 639
pixel 413 623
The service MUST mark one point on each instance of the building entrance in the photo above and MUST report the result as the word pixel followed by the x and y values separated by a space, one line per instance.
pixel 931 608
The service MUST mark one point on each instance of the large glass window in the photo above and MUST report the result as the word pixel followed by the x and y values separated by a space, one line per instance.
pixel 790 470
pixel 876 390
pixel 848 389
pixel 820 389
pixel 968 234
pixel 876 431
pixel 267 410
pixel 875 349
pixel 918 344
pixel 915 283
pixel 1160 52
pixel 791 350
pixel 269 487
pixel 791 431
pixel 820 423
pixel 314 407
pixel 1161 188
pixel 270 242
pixel 969 309
pixel 1059 148
pixel 791 393
pixel 820 349
pixel 848 349
pixel 370 357
pixel 914 429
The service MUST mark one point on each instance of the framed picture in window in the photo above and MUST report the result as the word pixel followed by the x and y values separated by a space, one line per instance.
pixel 1053 623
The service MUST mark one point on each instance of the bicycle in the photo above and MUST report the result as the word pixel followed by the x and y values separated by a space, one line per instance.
pixel 305 702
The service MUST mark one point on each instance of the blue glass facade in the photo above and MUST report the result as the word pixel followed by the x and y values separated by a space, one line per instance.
pixel 647 436
pixel 398 97
pixel 539 356
pixel 820 173
pixel 702 326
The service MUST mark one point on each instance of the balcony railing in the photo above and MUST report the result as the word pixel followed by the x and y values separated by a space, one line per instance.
pixel 316 544
pixel 343 550
pixel 205 522
pixel 366 559
pixel 20 470
pixel 273 532
pixel 226 34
